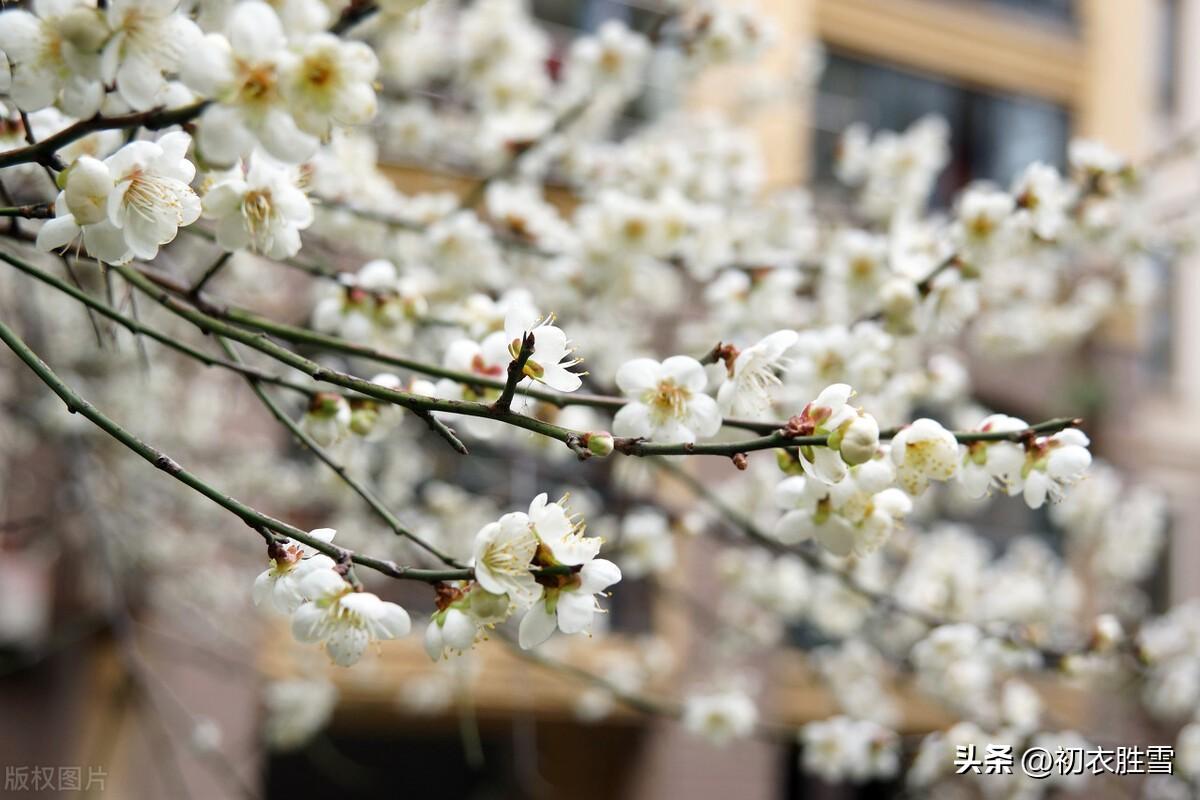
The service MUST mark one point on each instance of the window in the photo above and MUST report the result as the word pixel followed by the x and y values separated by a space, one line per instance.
pixel 1170 20
pixel 1054 9
pixel 993 136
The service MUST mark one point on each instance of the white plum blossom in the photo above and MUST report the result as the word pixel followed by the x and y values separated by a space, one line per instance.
pixel 503 557
pixel 561 535
pixel 327 419
pixel 569 606
pixel 279 585
pixel 54 54
pixel 149 38
pixel 330 82
pixel 987 463
pixel 146 194
pixel 646 544
pixel 296 709
pixel 855 515
pixel 667 401
pixel 721 716
pixel 853 436
pixel 451 629
pixel 753 374
pixel 1054 463
pixel 260 206
pixel 346 621
pixel 82 208
pixel 152 197
pixel 245 74
pixel 614 57
pixel 923 451
pixel 551 358
pixel 844 749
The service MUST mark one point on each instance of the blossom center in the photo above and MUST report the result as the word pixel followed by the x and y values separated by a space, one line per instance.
pixel 668 399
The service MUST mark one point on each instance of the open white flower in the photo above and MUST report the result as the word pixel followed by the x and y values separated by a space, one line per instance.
pixel 569 606
pixel 330 81
pixel 54 52
pixel 667 401
pixel 614 57
pixel 720 717
pixel 551 358
pixel 753 374
pixel 560 535
pixel 345 620
pixel 149 38
pixel 144 192
pixel 82 208
pixel 264 209
pixel 279 585
pixel 244 74
pixel 1054 463
pixel 922 451
pixel 152 198
pixel 856 515
pixel 987 464
pixel 503 557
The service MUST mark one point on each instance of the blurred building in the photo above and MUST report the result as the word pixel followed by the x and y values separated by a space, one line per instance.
pixel 1016 80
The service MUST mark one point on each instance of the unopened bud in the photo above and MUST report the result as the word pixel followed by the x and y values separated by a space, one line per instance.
pixel 1107 633
pixel 599 443
pixel 898 297
pixel 860 440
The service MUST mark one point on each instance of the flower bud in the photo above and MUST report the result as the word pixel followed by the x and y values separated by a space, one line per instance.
pixel 898 298
pixel 860 440
pixel 599 443
pixel 88 186
pixel 1107 632
pixel 364 418
pixel 458 631
pixel 434 645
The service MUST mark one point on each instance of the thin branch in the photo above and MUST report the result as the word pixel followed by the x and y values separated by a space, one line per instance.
pixel 29 211
pixel 136 327
pixel 255 519
pixel 209 274
pixel 355 485
pixel 516 372
pixel 351 15
pixel 44 152
pixel 214 323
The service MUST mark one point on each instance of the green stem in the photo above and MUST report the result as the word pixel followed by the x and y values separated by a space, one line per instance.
pixel 213 320
pixel 137 328
pixel 255 519
pixel 356 486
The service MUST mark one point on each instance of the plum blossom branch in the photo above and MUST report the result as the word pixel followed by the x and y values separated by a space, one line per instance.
pixel 139 328
pixel 781 437
pixel 270 527
pixel 355 485
pixel 516 372
pixel 29 211
pixel 155 119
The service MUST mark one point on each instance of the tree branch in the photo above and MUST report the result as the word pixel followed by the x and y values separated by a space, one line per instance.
pixel 356 486
pixel 155 119
pixel 516 371
pixel 255 519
